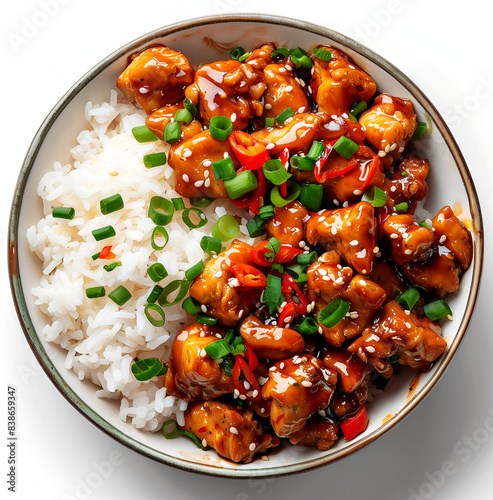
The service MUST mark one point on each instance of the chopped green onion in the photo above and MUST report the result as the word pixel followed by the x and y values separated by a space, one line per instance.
pixel 282 117
pixel 103 232
pixel 200 201
pixel 191 306
pixel 120 295
pixel 377 199
pixel 112 266
pixel 273 246
pixel 272 293
pixel 236 53
pixel 194 438
pixel 352 118
pixel 244 57
pixel 295 270
pixel 190 106
pixel 302 278
pixel 220 127
pixel 172 132
pixel 408 299
pixel 293 190
pixel 145 369
pixel 256 227
pixel 311 196
pixel 226 228
pixel 173 433
pixel 427 223
pixel 305 259
pixel 157 272
pixel 346 147
pixel 178 203
pixel 95 292
pixel 96 256
pixel 155 293
pixel 241 184
pixel 182 285
pixel 307 327
pixel 302 163
pixel 301 57
pixel 275 172
pixel 63 212
pixel 358 108
pixel 161 210
pixel 277 267
pixel 143 134
pixel 266 212
pixel 183 115
pixel 192 272
pixel 269 121
pixel 111 204
pixel 218 349
pixel 437 310
pixel 401 207
pixel 204 319
pixel 154 160
pixel 185 215
pixel 420 131
pixel 316 150
pixel 230 335
pixel 159 231
pixel 210 244
pixel 334 312
pixel 224 169
pixel 322 54
pixel 158 322
pixel 282 51
pixel 404 173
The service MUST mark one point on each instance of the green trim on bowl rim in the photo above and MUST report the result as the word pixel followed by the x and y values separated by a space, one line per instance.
pixel 57 378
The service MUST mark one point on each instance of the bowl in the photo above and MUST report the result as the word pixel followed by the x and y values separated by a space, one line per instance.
pixel 203 40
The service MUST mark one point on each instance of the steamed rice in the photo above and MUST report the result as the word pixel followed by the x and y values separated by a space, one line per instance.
pixel 101 338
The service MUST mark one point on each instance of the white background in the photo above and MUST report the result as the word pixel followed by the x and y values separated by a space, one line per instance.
pixel 444 449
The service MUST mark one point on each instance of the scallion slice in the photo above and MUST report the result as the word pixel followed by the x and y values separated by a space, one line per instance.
pixel 112 266
pixel 180 285
pixel 192 272
pixel 157 272
pixel 172 132
pixel 226 228
pixel 275 172
pixel 301 57
pixel 316 150
pixel 437 310
pixel 173 433
pixel 120 295
pixel 305 259
pixel 143 134
pixel 307 327
pixel 266 212
pixel 293 190
pixel 111 204
pixel 236 53
pixel 191 306
pixel 204 319
pixel 346 147
pixel 224 169
pixel 273 248
pixel 255 227
pixel 185 215
pixel 103 232
pixel 161 210
pixel 154 160
pixel 420 131
pixel 190 106
pixel 153 320
pixel 280 51
pixel 159 231
pixel 272 293
pixel 241 184
pixel 401 207
pixel 377 199
pixel 358 108
pixel 334 312
pixel 155 293
pixel 184 116
pixel 302 163
pixel 220 127
pixel 95 292
pixel 210 244
pixel 269 121
pixel 322 54
pixel 200 201
pixel 145 369
pixel 244 57
pixel 218 349
pixel 311 196
pixel 178 203
pixel 63 213
pixel 282 117
pixel 408 298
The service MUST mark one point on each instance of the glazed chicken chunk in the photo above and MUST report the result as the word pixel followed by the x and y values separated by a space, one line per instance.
pixel 218 290
pixel 156 77
pixel 349 231
pixel 157 121
pixel 231 432
pixel 288 223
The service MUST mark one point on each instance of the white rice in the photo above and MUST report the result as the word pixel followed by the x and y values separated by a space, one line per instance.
pixel 101 338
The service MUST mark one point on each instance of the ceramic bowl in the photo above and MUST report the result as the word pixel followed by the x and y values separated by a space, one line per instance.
pixel 204 40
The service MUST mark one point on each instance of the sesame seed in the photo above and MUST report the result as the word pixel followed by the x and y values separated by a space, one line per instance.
pixel 218 274
pixel 376 249
pixel 143 90
pixel 233 430
pixel 207 163
pixel 289 88
pixel 242 397
pixel 271 145
pixel 288 319
pixel 345 204
pixel 335 202
pixel 218 335
pixel 282 70
pixel 322 413
pixel 187 153
pixel 203 308
pixel 370 349
pixel 254 393
pixel 387 148
pixel 408 325
pixel 408 251
pixel 246 385
pixel 363 282
pixel 265 458
pixel 393 146
pixel 442 238
pixel 401 230
pixel 252 446
pixel 207 183
pixel 203 354
pixel 393 189
pixel 405 235
pixel 301 110
pixel 394 236
pixel 272 369
pixel 206 174
pixel 306 383
pixel 225 155
pixel 357 192
pixel 288 67
pixel 281 366
pixel 401 149
pixel 450 318
pixel 204 442
pixel 333 230
pixel 198 184
pixel 353 243
pixel 320 330
pixel 185 178
pixel 268 106
pixel 381 154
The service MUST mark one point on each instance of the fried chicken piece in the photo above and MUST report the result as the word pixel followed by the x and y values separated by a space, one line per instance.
pixel 351 370
pixel 345 405
pixel 288 223
pixel 157 121
pixel 320 432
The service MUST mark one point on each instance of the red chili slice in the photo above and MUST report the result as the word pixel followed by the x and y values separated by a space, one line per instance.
pixel 287 314
pixel 258 252
pixel 288 285
pixel 249 276
pixel 353 426
pixel 106 253
pixel 322 175
pixel 250 356
pixel 286 254
pixel 251 153
pixel 372 168
pixel 242 370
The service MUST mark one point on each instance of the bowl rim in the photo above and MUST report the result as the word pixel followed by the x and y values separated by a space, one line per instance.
pixel 13 241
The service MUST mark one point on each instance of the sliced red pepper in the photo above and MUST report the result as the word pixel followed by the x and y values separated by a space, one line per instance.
pixel 249 276
pixel 284 157
pixel 322 175
pixel 253 199
pixel 250 356
pixel 258 254
pixel 286 254
pixel 353 426
pixel 251 153
pixel 241 370
pixel 287 314
pixel 371 168
pixel 106 253
pixel 288 285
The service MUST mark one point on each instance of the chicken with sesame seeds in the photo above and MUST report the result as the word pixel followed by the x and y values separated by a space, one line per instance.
pixel 233 433
pixel 288 223
pixel 217 289
pixel 156 122
pixel 320 432
pixel 156 77
pixel 389 125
